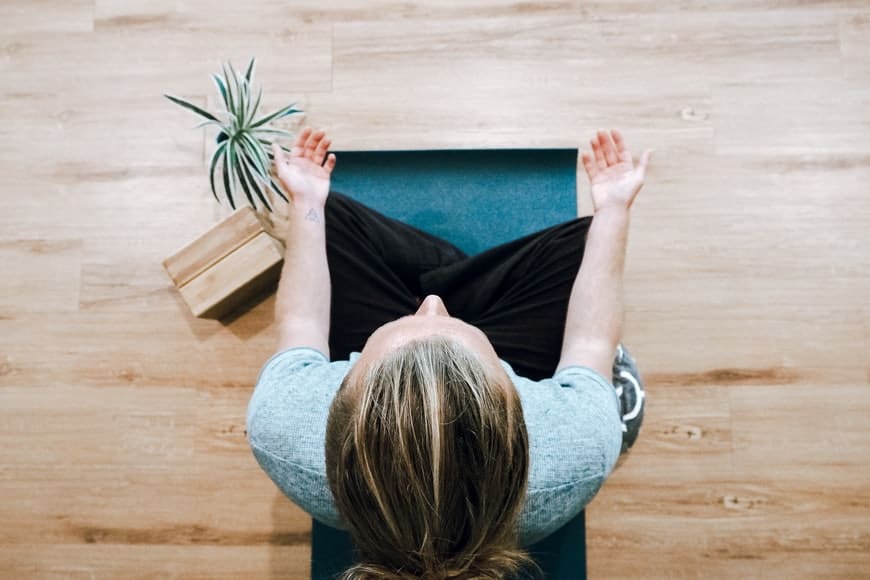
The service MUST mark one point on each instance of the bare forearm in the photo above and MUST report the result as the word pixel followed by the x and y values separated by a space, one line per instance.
pixel 303 302
pixel 595 308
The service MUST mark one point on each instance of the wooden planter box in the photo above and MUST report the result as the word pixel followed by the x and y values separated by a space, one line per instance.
pixel 235 259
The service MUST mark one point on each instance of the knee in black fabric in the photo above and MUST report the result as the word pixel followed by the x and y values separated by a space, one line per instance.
pixel 630 389
pixel 578 228
pixel 345 217
pixel 337 201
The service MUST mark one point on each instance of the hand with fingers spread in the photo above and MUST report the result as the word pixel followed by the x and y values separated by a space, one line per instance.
pixel 614 178
pixel 304 174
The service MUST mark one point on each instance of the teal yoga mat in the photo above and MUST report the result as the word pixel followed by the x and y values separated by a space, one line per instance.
pixel 475 199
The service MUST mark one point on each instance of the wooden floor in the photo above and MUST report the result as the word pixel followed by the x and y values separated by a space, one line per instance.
pixel 122 447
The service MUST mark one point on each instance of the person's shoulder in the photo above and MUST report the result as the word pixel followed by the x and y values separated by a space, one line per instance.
pixel 293 384
pixel 575 376
pixel 573 386
pixel 292 359
pixel 574 427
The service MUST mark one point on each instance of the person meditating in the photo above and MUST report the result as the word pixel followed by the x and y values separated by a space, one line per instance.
pixel 446 410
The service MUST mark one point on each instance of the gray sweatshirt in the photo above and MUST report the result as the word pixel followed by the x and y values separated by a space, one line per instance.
pixel 573 421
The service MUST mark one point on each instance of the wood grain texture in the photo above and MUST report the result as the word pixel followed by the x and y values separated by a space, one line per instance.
pixel 87 561
pixel 48 275
pixel 122 416
pixel 855 45
pixel 47 16
pixel 235 277
pixel 212 245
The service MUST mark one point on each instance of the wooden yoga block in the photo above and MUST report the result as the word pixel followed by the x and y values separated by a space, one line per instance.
pixel 233 260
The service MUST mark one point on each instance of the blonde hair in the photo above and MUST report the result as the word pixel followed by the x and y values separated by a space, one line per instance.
pixel 427 457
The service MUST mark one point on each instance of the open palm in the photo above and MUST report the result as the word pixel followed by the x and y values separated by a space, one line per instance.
pixel 303 173
pixel 614 179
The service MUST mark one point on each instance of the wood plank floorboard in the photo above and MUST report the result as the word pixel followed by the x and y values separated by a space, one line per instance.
pixel 122 418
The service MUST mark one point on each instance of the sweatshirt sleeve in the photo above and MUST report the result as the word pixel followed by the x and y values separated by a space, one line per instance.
pixel 575 436
pixel 286 426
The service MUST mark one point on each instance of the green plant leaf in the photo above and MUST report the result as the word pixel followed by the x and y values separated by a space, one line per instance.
pixel 229 179
pixel 255 182
pixel 255 151
pixel 232 123
pixel 281 132
pixel 249 74
pixel 267 145
pixel 277 189
pixel 249 80
pixel 286 150
pixel 192 107
pixel 280 113
pixel 239 169
pixel 256 106
pixel 265 141
pixel 256 160
pixel 222 89
pixel 246 103
pixel 207 123
pixel 239 109
pixel 231 106
pixel 214 160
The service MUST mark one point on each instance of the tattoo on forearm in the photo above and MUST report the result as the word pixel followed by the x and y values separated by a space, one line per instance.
pixel 312 216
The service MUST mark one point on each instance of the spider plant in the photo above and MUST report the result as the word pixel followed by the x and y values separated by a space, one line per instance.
pixel 243 155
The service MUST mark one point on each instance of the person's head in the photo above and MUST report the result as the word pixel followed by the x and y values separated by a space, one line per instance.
pixel 427 453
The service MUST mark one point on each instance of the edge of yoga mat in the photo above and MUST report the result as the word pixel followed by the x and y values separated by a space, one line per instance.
pixel 476 199
pixel 561 555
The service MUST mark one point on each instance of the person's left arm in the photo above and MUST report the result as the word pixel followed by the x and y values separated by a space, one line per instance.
pixel 302 305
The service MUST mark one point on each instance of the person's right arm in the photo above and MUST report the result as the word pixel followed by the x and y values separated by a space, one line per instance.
pixel 593 327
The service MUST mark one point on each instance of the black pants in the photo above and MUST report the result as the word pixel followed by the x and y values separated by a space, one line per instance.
pixel 516 293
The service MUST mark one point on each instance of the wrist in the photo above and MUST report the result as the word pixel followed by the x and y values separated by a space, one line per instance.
pixel 303 215
pixel 305 204
pixel 306 210
pixel 615 211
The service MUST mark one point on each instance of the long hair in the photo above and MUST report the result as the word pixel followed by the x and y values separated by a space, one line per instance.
pixel 427 457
